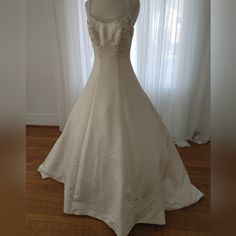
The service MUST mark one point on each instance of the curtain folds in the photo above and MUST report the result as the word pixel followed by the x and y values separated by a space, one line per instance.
pixel 72 52
pixel 170 55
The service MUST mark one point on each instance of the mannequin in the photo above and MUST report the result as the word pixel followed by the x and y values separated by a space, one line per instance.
pixel 109 9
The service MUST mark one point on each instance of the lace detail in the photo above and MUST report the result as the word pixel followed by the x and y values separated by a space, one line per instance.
pixel 110 20
pixel 122 32
pixel 93 29
pixel 113 34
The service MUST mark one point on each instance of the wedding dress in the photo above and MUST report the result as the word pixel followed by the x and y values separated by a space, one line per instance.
pixel 115 156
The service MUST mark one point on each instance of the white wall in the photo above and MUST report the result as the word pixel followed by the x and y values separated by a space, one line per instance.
pixel 12 64
pixel 41 98
pixel 223 83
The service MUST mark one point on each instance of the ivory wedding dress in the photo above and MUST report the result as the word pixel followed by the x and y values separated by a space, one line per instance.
pixel 115 156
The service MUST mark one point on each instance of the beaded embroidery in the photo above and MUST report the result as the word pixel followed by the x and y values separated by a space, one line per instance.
pixel 122 31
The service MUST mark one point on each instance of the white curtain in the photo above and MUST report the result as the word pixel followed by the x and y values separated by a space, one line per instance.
pixel 170 55
pixel 73 55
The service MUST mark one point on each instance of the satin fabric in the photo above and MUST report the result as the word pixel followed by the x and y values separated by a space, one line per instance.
pixel 115 156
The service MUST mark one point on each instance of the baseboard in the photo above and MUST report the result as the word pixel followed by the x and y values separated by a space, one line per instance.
pixel 42 119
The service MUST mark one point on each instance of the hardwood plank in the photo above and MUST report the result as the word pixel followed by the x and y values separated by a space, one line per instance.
pixel 44 198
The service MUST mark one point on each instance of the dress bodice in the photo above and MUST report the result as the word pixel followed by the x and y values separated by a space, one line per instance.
pixel 111 37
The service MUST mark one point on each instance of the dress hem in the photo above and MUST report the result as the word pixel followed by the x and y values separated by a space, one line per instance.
pixel 85 211
pixel 80 209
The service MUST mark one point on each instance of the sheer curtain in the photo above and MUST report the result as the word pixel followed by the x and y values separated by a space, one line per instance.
pixel 73 55
pixel 170 55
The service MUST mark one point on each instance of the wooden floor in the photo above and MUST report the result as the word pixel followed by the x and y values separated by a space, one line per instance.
pixel 44 198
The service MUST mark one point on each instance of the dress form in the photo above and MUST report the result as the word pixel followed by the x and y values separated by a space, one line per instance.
pixel 110 9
